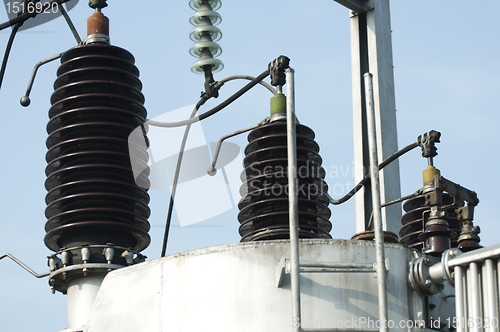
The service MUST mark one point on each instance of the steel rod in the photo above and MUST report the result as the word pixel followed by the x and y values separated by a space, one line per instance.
pixel 337 265
pixel 41 275
pixel 459 298
pixel 475 302
pixel 485 295
pixel 377 211
pixel 293 198
pixel 491 306
pixel 212 169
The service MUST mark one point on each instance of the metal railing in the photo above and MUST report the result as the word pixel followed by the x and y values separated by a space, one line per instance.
pixel 477 286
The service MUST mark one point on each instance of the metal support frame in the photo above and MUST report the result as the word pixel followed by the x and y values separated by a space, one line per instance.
pixel 371 51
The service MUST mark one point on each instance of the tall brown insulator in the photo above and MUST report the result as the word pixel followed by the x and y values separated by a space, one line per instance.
pixel 93 198
pixel 264 206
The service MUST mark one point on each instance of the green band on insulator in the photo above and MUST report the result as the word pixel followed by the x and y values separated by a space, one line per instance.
pixel 278 103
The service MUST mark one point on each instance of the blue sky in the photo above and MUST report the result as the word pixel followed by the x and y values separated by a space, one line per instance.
pixel 445 65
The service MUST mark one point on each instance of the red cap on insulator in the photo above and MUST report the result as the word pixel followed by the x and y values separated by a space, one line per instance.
pixel 98 23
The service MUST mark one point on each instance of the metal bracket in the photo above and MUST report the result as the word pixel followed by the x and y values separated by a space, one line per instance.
pixel 456 190
pixel 325 267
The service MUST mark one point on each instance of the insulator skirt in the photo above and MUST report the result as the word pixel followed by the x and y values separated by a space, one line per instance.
pixel 93 197
pixel 264 207
pixel 413 225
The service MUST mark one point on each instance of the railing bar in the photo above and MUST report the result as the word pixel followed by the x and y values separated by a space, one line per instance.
pixel 459 298
pixel 475 300
pixel 490 302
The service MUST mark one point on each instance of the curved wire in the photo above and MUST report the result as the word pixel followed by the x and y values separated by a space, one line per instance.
pixel 247 77
pixel 214 110
pixel 361 183
pixel 186 133
pixel 176 178
pixel 7 51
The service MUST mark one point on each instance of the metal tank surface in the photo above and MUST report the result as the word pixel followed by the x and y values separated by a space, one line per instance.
pixel 235 288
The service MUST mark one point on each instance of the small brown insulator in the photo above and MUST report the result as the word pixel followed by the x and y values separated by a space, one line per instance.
pixel 98 23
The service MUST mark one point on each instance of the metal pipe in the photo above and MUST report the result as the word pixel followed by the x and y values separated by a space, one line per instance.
pixel 475 302
pixel 490 303
pixel 459 298
pixel 293 198
pixel 377 211
pixel 485 295
pixel 476 255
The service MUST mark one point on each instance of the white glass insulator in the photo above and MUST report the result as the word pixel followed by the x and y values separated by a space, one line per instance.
pixel 197 67
pixel 195 4
pixel 214 48
pixel 197 32
pixel 214 17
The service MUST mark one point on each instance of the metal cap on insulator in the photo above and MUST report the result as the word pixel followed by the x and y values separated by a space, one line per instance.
pixel 97 29
pixel 428 174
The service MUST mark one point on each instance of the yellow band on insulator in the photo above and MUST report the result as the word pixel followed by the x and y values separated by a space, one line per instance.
pixel 429 173
pixel 278 103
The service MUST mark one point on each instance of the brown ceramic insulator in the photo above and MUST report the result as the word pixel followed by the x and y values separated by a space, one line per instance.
pixel 413 225
pixel 436 239
pixel 98 23
pixel 94 198
pixel 468 245
pixel 264 206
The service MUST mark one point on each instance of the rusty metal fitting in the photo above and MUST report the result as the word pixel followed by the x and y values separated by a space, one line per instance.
pixel 98 23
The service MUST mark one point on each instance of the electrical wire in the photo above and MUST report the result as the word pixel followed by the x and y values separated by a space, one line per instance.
pixel 214 110
pixel 247 77
pixel 7 51
pixel 176 178
pixel 360 185
pixel 186 133
pixel 23 17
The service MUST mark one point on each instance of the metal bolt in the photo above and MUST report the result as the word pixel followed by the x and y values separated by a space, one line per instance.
pixel 426 261
pixel 428 282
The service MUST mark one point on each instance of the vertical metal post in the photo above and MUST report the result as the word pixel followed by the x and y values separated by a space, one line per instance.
pixel 293 198
pixel 459 298
pixel 475 303
pixel 491 313
pixel 377 214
